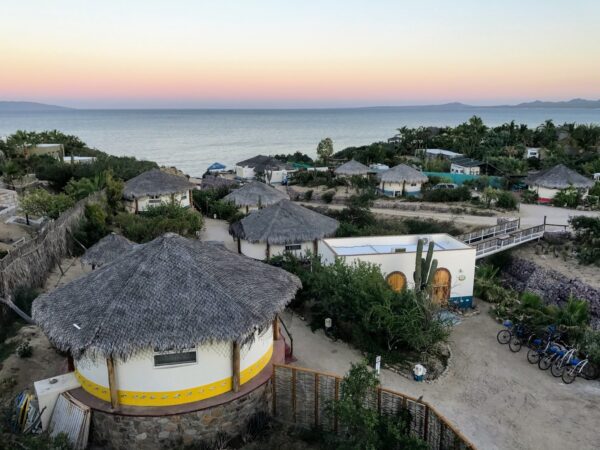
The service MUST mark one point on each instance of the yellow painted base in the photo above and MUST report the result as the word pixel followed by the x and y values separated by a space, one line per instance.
pixel 168 398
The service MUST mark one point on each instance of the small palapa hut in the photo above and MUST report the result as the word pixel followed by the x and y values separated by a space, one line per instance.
pixel 352 168
pixel 154 187
pixel 283 227
pixel 401 180
pixel 255 195
pixel 106 250
pixel 547 183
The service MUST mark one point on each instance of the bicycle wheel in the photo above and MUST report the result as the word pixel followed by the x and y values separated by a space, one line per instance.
pixel 569 375
pixel 557 368
pixel 545 362
pixel 515 344
pixel 533 356
pixel 590 371
pixel 503 336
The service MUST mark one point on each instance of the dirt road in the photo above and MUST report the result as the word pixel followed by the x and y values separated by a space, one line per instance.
pixel 494 396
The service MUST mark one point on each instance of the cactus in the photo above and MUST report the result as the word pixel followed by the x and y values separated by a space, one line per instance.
pixel 424 267
pixel 418 265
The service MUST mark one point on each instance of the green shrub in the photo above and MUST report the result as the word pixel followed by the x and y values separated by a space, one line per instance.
pixel 587 238
pixel 327 196
pixel 529 196
pixel 460 194
pixel 506 200
pixel 93 226
pixel 158 220
pixel 24 296
pixel 568 197
pixel 308 195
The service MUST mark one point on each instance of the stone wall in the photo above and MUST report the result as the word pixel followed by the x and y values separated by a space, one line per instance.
pixel 554 287
pixel 207 426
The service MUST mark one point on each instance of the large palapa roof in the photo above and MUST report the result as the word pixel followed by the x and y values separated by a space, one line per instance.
pixel 255 193
pixel 172 293
pixel 558 177
pixel 352 167
pixel 284 223
pixel 401 173
pixel 155 182
pixel 107 249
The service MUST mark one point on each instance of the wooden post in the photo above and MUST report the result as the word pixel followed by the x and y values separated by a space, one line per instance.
pixel 276 331
pixel 239 243
pixel 294 393
pixel 268 251
pixel 316 399
pixel 112 384
pixel 273 381
pixel 336 397
pixel 315 247
pixel 426 424
pixel 136 206
pixel 235 360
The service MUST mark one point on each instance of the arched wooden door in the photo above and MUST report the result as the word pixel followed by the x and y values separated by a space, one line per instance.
pixel 441 286
pixel 397 281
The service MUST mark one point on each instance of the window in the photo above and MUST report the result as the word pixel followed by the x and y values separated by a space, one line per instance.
pixel 293 247
pixel 175 358
pixel 413 184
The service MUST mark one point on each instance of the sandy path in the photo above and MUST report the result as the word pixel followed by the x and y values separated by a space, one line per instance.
pixel 495 397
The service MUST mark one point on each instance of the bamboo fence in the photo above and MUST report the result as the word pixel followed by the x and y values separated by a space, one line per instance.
pixel 301 396
pixel 29 264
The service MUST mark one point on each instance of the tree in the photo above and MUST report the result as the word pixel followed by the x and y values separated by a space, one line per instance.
pixel 325 149
pixel 11 171
pixel 40 202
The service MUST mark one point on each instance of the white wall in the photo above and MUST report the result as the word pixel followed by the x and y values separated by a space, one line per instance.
pixel 213 364
pixel 460 264
pixel 409 188
pixel 259 250
pixel 248 173
pixel 454 168
pixel 182 198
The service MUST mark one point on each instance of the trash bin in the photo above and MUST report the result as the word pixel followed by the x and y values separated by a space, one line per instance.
pixel 419 372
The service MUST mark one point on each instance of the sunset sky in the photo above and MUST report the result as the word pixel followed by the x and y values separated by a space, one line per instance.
pixel 225 53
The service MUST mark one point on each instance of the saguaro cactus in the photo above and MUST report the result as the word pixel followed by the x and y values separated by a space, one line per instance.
pixel 424 267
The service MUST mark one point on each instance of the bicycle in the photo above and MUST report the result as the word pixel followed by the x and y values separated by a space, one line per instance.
pixel 559 364
pixel 555 351
pixel 521 334
pixel 539 346
pixel 573 370
pixel 504 335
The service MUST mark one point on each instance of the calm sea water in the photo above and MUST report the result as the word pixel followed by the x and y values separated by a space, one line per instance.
pixel 193 139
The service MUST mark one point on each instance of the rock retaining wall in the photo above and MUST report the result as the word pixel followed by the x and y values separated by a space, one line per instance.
pixel 207 426
pixel 554 287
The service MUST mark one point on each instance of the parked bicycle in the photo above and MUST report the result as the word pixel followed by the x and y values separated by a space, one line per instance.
pixel 520 335
pixel 573 369
pixel 540 346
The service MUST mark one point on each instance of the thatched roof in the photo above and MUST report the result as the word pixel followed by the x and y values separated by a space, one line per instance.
pixel 284 223
pixel 253 193
pixel 558 177
pixel 352 167
pixel 260 163
pixel 217 182
pixel 171 293
pixel 155 182
pixel 401 173
pixel 107 249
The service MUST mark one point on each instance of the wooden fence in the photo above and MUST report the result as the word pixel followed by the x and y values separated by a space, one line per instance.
pixel 301 396
pixel 29 264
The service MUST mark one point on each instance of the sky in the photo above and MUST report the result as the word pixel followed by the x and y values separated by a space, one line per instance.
pixel 307 53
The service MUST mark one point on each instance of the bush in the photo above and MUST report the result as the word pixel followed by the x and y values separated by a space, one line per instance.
pixel 158 220
pixel 587 238
pixel 529 196
pixel 308 195
pixel 568 198
pixel 210 202
pixel 506 200
pixel 23 297
pixel 93 226
pixel 42 203
pixel 365 311
pixel 362 426
pixel 24 350
pixel 327 196
pixel 460 194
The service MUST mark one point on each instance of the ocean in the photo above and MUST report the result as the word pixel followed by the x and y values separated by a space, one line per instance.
pixel 193 139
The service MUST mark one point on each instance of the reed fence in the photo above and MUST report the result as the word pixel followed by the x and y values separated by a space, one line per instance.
pixel 302 397
pixel 30 264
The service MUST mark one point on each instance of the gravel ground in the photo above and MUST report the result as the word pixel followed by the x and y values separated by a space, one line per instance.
pixel 495 397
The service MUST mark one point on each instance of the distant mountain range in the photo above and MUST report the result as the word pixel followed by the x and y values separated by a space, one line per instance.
pixel 579 103
pixel 29 107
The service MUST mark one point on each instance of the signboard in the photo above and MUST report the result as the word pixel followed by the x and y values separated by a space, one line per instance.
pixel 378 365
